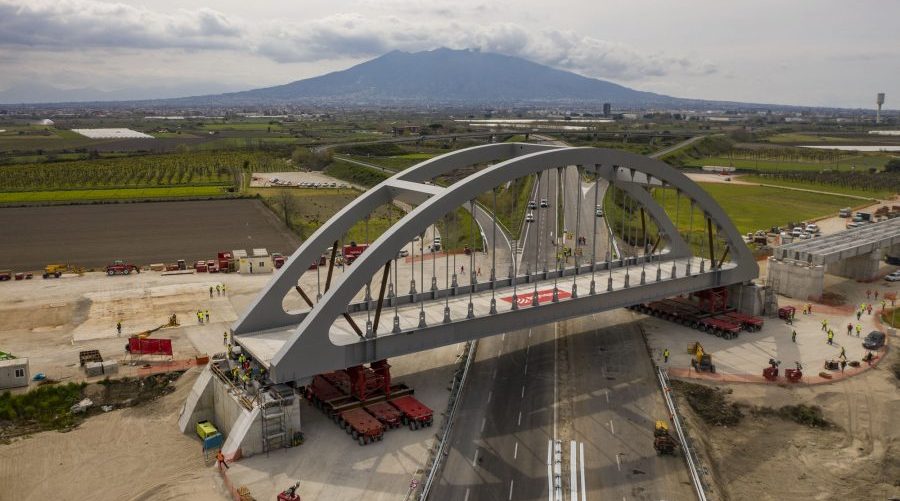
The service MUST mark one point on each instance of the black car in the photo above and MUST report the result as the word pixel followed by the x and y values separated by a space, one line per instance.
pixel 874 340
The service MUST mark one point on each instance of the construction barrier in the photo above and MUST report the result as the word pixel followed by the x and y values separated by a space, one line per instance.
pixel 149 346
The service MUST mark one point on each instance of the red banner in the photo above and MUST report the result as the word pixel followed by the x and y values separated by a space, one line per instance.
pixel 150 346
pixel 524 297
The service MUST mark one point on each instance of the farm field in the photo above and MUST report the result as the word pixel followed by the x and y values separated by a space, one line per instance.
pixel 398 162
pixel 753 208
pixel 142 233
pixel 832 188
pixel 844 164
pixel 16 197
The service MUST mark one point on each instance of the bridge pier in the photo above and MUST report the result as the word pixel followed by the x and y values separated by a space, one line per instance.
pixel 862 267
pixel 796 279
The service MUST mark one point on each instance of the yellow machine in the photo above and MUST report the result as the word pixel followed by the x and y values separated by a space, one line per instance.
pixel 700 360
pixel 56 270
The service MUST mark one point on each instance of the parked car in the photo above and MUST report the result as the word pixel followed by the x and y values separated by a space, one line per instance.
pixel 812 228
pixel 796 232
pixel 874 340
pixel 403 253
pixel 893 277
pixel 845 212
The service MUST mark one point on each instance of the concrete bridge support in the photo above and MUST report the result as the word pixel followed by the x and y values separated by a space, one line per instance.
pixel 796 279
pixel 862 267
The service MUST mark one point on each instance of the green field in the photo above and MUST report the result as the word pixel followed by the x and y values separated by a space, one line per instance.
pixel 804 138
pixel 111 194
pixel 831 188
pixel 844 164
pixel 355 174
pixel 398 162
pixel 754 208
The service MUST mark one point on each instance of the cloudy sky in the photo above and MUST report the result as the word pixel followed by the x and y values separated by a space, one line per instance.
pixel 817 52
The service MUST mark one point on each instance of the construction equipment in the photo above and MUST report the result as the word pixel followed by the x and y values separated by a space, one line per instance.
pixel 289 494
pixel 786 312
pixel 771 372
pixel 56 270
pixel 663 442
pixel 701 361
pixel 794 375
pixel 87 356
pixel 120 267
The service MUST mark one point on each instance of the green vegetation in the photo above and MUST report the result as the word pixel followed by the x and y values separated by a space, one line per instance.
pixel 355 174
pixel 890 317
pixel 879 185
pixel 76 195
pixel 46 405
pixel 753 208
pixel 716 144
pixel 151 176
pixel 843 163
pixel 399 162
pixel 792 137
pixel 512 200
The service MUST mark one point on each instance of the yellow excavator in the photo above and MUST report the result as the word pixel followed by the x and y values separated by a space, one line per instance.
pixel 56 270
pixel 700 360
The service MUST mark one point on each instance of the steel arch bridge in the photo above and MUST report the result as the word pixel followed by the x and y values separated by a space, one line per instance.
pixel 344 328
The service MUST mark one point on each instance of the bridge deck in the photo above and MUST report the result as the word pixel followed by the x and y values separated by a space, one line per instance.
pixel 842 245
pixel 264 345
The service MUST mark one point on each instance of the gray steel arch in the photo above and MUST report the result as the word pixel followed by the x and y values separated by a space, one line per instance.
pixel 310 347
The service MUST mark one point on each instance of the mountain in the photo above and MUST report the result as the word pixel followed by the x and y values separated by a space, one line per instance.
pixel 441 76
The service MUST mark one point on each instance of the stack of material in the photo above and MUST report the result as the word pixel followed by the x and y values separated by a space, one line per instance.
pixel 110 367
pixel 93 369
pixel 157 267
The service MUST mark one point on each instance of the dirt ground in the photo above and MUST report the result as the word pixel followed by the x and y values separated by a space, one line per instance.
pixel 129 454
pixel 767 458
pixel 141 233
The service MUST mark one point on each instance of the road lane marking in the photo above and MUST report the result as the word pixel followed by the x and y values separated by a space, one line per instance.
pixel 618 463
pixel 483 420
pixel 612 428
pixel 523 391
pixel 520 419
pixel 516 451
pixel 467 495
pixel 573 469
pixel 503 337
pixel 494 374
pixel 490 394
pixel 510 489
pixel 581 466
pixel 526 367
pixel 607 396
pixel 475 458
pixel 500 351
pixel 550 470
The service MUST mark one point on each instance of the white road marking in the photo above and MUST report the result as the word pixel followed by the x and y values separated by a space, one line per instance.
pixel 581 466
pixel 503 337
pixel 516 451
pixel 607 396
pixel 490 394
pixel 573 470
pixel 494 374
pixel 475 458
pixel 618 463
pixel 510 489
pixel 612 428
pixel 520 419
pixel 523 391
pixel 549 470
pixel 483 420
pixel 500 351
pixel 467 495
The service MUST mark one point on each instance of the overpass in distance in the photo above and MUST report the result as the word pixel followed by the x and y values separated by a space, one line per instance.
pixel 539 307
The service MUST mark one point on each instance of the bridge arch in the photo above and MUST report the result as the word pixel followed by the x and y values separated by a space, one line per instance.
pixel 633 173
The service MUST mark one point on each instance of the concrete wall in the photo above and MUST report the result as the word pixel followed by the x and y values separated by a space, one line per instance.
pixel 211 399
pixel 862 267
pixel 797 280
pixel 746 298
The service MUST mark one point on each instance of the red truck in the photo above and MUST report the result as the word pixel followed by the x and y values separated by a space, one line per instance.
pixel 415 414
pixel 200 267
pixel 386 413
pixel 352 251
pixel 119 267
pixel 277 260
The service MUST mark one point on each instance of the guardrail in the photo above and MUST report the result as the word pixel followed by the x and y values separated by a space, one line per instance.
pixel 455 396
pixel 690 455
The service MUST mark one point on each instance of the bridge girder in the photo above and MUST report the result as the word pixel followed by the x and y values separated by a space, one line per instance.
pixel 309 349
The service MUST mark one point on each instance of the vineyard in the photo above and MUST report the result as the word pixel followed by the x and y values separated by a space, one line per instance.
pixel 222 168
pixel 861 183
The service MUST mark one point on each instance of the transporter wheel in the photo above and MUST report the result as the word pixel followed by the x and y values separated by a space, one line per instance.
pixel 361 440
pixel 128 271
pixel 109 272
pixel 354 434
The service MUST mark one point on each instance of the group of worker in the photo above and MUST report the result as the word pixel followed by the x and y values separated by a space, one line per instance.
pixel 219 288
pixel 202 315
pixel 242 372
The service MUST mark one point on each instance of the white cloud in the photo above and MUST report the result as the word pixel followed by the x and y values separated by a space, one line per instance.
pixel 80 24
